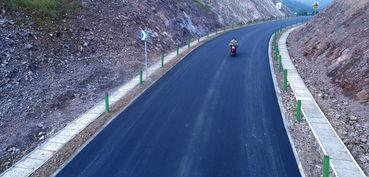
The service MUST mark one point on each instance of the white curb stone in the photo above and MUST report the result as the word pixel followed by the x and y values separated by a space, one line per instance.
pixel 40 154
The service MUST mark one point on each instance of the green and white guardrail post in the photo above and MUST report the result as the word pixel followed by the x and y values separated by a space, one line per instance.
pixel 285 79
pixel 298 111
pixel 326 166
pixel 141 80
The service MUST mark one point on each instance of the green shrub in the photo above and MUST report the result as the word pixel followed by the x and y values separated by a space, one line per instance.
pixel 42 8
pixel 8 5
pixel 202 4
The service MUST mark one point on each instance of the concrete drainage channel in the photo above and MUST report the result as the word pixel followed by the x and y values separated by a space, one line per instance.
pixel 69 139
pixel 336 156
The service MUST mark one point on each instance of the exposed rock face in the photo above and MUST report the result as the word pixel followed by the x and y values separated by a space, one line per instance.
pixel 51 73
pixel 234 11
pixel 337 40
pixel 331 54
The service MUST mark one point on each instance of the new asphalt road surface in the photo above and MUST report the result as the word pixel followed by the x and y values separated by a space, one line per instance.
pixel 212 115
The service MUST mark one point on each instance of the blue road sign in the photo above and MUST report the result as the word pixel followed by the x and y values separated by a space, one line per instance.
pixel 145 35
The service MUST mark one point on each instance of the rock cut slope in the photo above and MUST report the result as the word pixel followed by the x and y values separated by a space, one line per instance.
pixel 331 53
pixel 337 40
pixel 234 11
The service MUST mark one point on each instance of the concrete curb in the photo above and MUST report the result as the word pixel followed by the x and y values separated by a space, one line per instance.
pixel 342 162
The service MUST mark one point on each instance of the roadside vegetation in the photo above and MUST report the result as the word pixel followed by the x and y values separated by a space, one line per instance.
pixel 202 4
pixel 54 9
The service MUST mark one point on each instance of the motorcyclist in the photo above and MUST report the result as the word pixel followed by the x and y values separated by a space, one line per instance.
pixel 233 42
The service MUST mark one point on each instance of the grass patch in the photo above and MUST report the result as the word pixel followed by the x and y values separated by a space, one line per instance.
pixel 40 7
pixel 202 4
pixel 54 9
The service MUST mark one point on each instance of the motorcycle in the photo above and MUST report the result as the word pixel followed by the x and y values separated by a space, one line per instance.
pixel 233 50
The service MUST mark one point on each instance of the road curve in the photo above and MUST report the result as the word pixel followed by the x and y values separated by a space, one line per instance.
pixel 211 115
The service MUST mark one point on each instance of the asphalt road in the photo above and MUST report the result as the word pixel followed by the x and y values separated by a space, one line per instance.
pixel 211 115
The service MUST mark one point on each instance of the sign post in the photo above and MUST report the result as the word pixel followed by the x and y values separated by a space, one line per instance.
pixel 145 36
pixel 315 6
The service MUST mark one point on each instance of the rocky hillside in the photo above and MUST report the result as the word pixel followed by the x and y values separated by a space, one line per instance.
pixel 332 55
pixel 336 39
pixel 57 57
pixel 234 11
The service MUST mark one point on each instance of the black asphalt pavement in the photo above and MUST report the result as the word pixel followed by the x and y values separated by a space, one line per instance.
pixel 212 115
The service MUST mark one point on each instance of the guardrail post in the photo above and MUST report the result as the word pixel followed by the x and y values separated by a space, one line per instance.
pixel 280 64
pixel 285 79
pixel 177 50
pixel 326 166
pixel 188 43
pixel 106 102
pixel 298 111
pixel 141 81
pixel 162 59
pixel 276 55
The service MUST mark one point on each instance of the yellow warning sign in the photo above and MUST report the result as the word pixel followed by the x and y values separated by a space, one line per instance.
pixel 316 5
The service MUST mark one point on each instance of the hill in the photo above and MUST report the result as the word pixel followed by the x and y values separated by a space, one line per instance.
pixel 332 54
